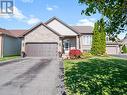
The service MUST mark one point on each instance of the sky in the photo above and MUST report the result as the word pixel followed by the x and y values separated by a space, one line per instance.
pixel 28 13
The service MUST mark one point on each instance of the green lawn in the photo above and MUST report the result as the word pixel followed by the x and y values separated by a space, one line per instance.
pixel 96 76
pixel 8 58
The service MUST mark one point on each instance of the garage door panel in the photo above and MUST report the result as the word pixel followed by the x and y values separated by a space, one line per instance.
pixel 111 50
pixel 42 50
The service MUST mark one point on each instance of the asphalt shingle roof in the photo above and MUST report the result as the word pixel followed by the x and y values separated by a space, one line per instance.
pixel 17 33
pixel 14 33
pixel 83 29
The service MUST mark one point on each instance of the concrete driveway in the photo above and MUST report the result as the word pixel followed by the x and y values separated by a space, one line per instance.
pixel 121 56
pixel 32 76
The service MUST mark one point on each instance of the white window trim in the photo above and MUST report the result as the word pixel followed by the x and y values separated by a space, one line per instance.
pixel 87 39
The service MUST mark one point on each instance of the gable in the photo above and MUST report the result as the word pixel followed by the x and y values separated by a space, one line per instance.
pixel 61 28
pixel 41 34
pixel 38 25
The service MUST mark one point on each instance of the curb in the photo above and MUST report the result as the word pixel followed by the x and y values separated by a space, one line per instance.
pixel 60 85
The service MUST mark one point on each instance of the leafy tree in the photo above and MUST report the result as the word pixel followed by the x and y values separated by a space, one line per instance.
pixel 114 11
pixel 124 49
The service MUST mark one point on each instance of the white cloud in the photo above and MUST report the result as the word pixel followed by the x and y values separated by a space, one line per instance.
pixel 86 22
pixel 5 16
pixel 51 8
pixel 27 1
pixel 92 19
pixel 32 20
pixel 18 15
pixel 55 6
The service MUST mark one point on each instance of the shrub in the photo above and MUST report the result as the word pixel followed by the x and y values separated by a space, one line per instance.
pixel 86 55
pixel 74 53
pixel 104 55
pixel 124 49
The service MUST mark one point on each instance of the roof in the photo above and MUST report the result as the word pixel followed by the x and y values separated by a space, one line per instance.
pixel 83 29
pixel 6 32
pixel 68 26
pixel 17 33
pixel 13 33
pixel 36 26
pixel 112 43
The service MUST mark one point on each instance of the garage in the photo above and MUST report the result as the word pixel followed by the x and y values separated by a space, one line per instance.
pixel 49 50
pixel 112 50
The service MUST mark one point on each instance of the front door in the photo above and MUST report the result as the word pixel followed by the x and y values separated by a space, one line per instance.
pixel 66 46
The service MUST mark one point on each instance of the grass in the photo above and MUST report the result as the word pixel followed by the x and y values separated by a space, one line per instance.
pixel 96 76
pixel 8 58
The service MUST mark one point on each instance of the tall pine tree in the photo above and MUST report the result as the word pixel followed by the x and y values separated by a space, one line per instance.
pixel 99 38
pixel 102 37
pixel 95 40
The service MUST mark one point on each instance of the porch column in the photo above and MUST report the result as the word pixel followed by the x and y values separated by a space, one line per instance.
pixel 77 42
pixel 61 45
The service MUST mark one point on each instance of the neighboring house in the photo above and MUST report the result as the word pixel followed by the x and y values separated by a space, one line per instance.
pixel 10 44
pixel 47 39
pixel 124 41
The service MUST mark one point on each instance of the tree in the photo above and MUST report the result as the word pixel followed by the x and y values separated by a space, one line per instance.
pixel 95 50
pixel 114 11
pixel 102 37
pixel 99 38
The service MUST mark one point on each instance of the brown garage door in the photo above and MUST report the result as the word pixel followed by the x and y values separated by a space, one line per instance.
pixel 111 50
pixel 42 50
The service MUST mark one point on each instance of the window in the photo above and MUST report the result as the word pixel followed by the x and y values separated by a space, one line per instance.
pixel 87 40
pixel 66 45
